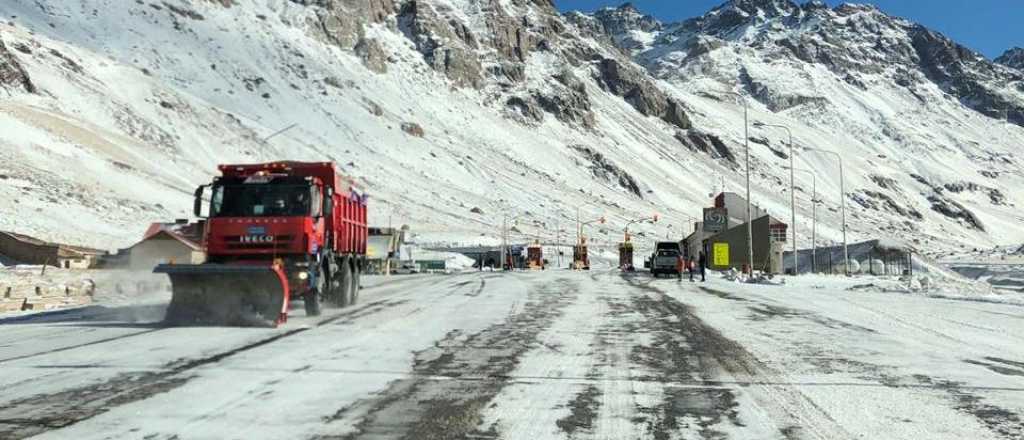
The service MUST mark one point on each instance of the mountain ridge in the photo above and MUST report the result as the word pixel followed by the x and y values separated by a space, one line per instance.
pixel 455 112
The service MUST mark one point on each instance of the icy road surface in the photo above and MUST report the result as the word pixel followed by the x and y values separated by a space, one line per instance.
pixel 546 355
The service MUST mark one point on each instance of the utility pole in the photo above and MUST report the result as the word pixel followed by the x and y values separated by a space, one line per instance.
pixel 504 225
pixel 814 219
pixel 746 147
pixel 792 190
pixel 558 240
pixel 278 132
pixel 842 201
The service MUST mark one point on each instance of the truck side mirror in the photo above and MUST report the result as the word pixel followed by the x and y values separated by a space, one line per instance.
pixel 328 205
pixel 197 203
pixel 328 202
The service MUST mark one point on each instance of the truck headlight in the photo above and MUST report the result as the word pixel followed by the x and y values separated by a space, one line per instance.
pixel 303 276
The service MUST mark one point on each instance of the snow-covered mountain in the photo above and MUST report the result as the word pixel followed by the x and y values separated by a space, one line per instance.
pixel 930 130
pixel 1012 58
pixel 451 113
pixel 454 113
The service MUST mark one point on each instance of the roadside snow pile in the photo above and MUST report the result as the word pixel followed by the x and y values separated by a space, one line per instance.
pixel 1003 276
pixel 757 278
pixel 937 287
pixel 452 261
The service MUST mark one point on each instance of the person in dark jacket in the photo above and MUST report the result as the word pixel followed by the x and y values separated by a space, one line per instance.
pixel 680 263
pixel 703 263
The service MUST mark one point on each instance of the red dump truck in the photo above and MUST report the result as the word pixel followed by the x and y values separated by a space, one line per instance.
pixel 275 231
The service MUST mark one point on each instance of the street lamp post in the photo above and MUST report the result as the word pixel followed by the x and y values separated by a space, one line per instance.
pixel 746 146
pixel 504 240
pixel 692 223
pixel 641 220
pixel 505 236
pixel 279 132
pixel 814 218
pixel 792 188
pixel 842 201
pixel 579 226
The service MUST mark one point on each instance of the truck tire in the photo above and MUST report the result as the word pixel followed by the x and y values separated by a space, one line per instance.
pixel 355 283
pixel 345 283
pixel 312 297
pixel 332 295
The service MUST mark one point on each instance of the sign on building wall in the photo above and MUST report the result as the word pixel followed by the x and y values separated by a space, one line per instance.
pixel 720 254
pixel 715 219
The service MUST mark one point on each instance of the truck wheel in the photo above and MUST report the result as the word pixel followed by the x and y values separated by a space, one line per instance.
pixel 355 285
pixel 312 297
pixel 345 284
pixel 332 295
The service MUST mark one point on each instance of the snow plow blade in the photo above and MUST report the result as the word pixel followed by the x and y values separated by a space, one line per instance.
pixel 230 295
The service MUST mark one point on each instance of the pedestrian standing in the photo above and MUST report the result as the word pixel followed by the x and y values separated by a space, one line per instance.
pixel 690 266
pixel 680 262
pixel 703 263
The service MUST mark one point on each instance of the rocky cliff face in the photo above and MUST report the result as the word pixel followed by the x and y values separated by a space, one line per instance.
pixel 625 26
pixel 885 87
pixel 1012 58
pixel 858 43
pixel 437 105
pixel 11 72
pixel 459 110
pixel 488 45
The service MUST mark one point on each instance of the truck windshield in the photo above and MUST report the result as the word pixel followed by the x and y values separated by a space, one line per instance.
pixel 260 200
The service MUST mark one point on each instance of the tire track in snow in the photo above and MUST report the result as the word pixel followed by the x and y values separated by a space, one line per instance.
pixel 154 327
pixel 36 414
pixel 686 349
pixel 84 344
pixel 999 421
pixel 421 407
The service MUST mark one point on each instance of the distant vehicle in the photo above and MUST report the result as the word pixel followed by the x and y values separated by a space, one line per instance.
pixel 665 258
pixel 580 257
pixel 626 256
pixel 535 257
pixel 407 268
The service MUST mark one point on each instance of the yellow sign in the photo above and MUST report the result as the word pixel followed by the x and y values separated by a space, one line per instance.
pixel 721 254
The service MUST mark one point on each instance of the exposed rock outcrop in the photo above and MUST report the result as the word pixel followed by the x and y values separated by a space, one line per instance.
pixel 632 83
pixel 706 143
pixel 373 55
pixel 448 46
pixel 604 169
pixel 1012 58
pixel 879 201
pixel 342 22
pixel 12 74
pixel 963 73
pixel 624 26
pixel 954 210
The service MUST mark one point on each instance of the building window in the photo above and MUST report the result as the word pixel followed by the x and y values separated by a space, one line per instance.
pixel 778 234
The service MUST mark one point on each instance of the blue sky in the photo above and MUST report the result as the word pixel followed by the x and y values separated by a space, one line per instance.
pixel 988 26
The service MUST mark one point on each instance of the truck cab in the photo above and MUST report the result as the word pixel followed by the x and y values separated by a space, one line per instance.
pixel 265 216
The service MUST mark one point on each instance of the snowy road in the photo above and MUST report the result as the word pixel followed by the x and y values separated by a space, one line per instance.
pixel 549 355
